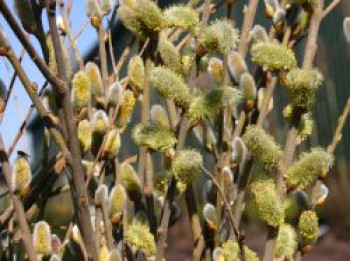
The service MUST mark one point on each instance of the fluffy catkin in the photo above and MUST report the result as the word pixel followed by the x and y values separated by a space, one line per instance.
pixel 139 237
pixel 21 174
pixel 112 144
pixel 302 85
pixel 231 252
pixel 153 137
pixel 170 85
pixel 116 203
pixel 81 90
pixel 186 166
pixel 115 94
pixel 273 56
pixel 181 16
pixel 136 72
pixel 169 54
pixel 125 110
pixel 219 37
pixel 159 117
pixel 262 146
pixel 308 167
pixel 287 242
pixel 236 65
pixel 93 73
pixel 308 226
pixel 85 135
pixel 42 238
pixel 270 208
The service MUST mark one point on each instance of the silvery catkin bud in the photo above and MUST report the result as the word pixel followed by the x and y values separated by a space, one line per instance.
pixel 273 56
pixel 159 117
pixel 85 135
pixel 186 166
pixel 101 195
pixel 131 181
pixel 262 146
pixel 232 253
pixel 259 34
pixel 21 174
pixel 55 257
pixel 170 85
pixel 94 12
pixel 248 88
pixel 319 193
pixel 181 16
pixel 49 102
pixel 115 94
pixel 81 90
pixel 93 73
pixel 302 85
pixel 236 65
pixel 216 69
pixel 42 238
pixel 99 122
pixel 136 72
pixel 169 54
pixel 239 151
pixel 287 242
pixel 209 139
pixel 308 167
pixel 116 203
pixel 211 102
pixel 4 43
pixel 270 208
pixel 125 110
pixel 112 144
pixel 346 28
pixel 308 226
pixel 139 237
pixel 24 11
pixel 209 214
pixel 152 137
pixel 219 37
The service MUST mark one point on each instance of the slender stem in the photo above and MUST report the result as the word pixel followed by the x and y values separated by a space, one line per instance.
pixel 103 56
pixel 17 204
pixel 330 8
pixel 83 213
pixel 338 132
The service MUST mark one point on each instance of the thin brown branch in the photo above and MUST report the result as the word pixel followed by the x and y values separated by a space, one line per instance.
pixel 338 132
pixel 330 8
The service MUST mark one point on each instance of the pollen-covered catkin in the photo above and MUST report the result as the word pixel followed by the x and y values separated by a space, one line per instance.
pixel 273 56
pixel 287 242
pixel 153 137
pixel 42 238
pixel 136 72
pixel 85 135
pixel 308 226
pixel 219 37
pixel 170 85
pixel 262 146
pixel 116 203
pixel 308 167
pixel 139 237
pixel 93 73
pixel 81 90
pixel 181 16
pixel 186 166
